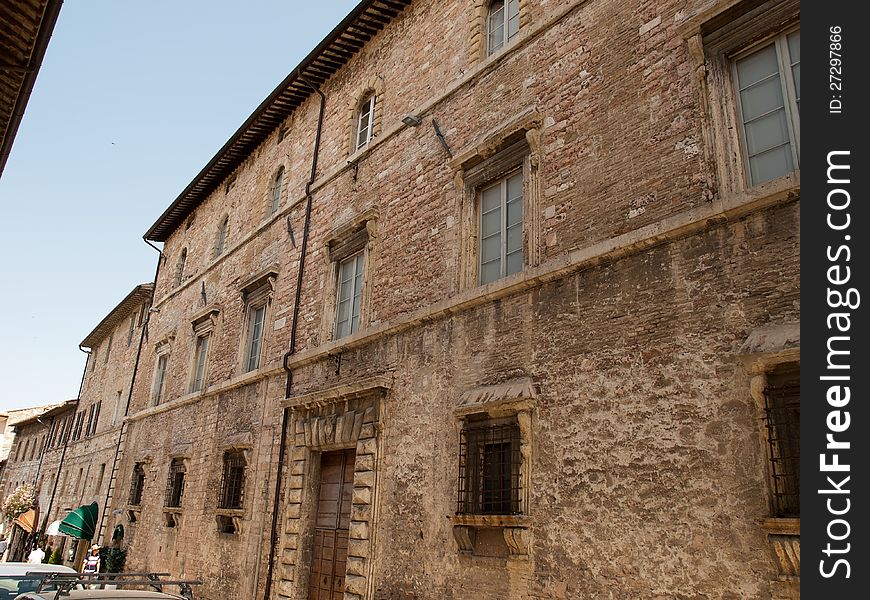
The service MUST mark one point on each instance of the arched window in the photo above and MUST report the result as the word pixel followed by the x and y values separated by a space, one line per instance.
pixel 179 268
pixel 502 24
pixel 365 120
pixel 277 186
pixel 221 239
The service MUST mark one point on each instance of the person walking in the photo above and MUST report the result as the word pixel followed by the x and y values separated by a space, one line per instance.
pixel 92 561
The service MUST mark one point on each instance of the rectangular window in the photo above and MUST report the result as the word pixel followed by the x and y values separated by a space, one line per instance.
pixel 117 408
pixel 768 97
pixel 175 484
pixel 100 474
pixel 489 468
pixel 137 484
pixel 782 419
pixel 159 378
pixel 256 325
pixel 200 361
pixel 233 482
pixel 365 120
pixel 77 430
pixel 350 282
pixel 130 330
pixel 501 228
pixel 108 350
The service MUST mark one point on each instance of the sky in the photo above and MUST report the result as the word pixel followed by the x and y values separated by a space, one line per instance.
pixel 131 101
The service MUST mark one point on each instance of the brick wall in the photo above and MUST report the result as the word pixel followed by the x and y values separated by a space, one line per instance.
pixel 647 470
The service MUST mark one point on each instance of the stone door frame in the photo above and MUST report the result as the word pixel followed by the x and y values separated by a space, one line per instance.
pixel 338 418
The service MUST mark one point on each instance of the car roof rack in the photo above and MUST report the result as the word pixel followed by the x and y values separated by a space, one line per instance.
pixel 62 583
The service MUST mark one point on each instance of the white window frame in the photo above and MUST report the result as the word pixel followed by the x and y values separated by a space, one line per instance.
pixel 200 362
pixel 506 38
pixel 251 359
pixel 501 183
pixel 179 267
pixel 158 386
pixel 790 100
pixel 276 191
pixel 358 262
pixel 221 240
pixel 363 135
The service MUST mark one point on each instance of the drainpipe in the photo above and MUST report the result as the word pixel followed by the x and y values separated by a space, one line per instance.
pixel 145 321
pixel 285 413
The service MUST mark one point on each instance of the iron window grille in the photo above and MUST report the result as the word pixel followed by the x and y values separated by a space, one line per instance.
pixel 782 419
pixel 175 484
pixel 233 482
pixel 489 469
pixel 137 485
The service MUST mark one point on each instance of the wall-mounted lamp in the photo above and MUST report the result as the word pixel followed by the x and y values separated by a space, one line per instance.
pixel 411 120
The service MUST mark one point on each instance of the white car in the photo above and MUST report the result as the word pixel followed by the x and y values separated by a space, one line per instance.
pixel 14 578
pixel 94 586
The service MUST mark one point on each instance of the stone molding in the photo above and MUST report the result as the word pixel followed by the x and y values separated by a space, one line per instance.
pixel 345 416
pixel 784 538
pixel 681 225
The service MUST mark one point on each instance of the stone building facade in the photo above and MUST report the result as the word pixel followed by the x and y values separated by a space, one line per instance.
pixel 491 300
pixel 67 451
pixel 82 445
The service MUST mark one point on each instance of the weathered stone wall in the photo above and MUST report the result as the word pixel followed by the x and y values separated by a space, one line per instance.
pixel 647 473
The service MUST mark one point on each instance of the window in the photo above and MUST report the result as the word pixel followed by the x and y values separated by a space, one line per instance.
pixel 256 295
pixel 77 430
pixel 100 474
pixel 108 350
pixel 179 267
pixel 175 483
pixel 365 121
pixel 137 484
pixel 89 421
pixel 767 82
pixel 159 378
pixel 93 358
pixel 502 24
pixel 501 228
pixel 199 363
pixel 277 186
pixel 233 482
pixel 130 330
pixel 489 468
pixel 254 346
pixel 117 408
pixel 221 240
pixel 95 418
pixel 782 416
pixel 350 282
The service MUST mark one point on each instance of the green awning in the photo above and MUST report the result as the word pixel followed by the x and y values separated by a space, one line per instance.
pixel 81 522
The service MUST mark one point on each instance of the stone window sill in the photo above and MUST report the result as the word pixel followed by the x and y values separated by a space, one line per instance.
pixel 514 531
pixel 783 537
pixel 491 520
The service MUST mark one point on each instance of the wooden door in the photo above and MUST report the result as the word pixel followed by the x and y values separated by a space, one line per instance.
pixel 331 522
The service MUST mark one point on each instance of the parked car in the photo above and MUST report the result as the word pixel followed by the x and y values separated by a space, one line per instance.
pixel 101 595
pixel 14 578
pixel 106 586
